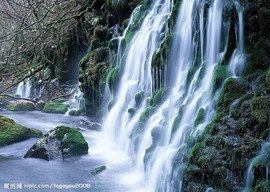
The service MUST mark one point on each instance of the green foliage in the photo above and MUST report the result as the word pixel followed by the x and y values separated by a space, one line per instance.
pixel 195 150
pixel 113 77
pixel 12 132
pixel 21 106
pixel 154 101
pixel 129 36
pixel 147 113
pixel 232 90
pixel 177 120
pixel 160 55
pixel 157 96
pixel 55 108
pixel 267 77
pixel 260 108
pixel 261 186
pixel 200 117
pixel 219 77
pixel 99 54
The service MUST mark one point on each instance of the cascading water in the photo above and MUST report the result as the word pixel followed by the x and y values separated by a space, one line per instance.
pixel 199 45
pixel 137 71
pixel 24 89
pixel 263 158
pixel 77 102
pixel 192 93
pixel 238 59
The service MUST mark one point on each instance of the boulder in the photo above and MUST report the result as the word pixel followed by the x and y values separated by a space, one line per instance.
pixel 21 106
pixel 12 132
pixel 55 107
pixel 59 143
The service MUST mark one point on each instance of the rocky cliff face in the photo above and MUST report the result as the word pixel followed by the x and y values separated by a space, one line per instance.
pixel 106 21
pixel 220 158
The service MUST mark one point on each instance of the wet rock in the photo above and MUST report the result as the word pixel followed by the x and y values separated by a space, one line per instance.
pixel 59 143
pixel 21 106
pixel 98 170
pixel 55 107
pixel 12 132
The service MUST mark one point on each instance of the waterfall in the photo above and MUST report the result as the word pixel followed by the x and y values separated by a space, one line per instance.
pixel 77 102
pixel 191 93
pixel 136 70
pixel 24 89
pixel 238 59
pixel 158 147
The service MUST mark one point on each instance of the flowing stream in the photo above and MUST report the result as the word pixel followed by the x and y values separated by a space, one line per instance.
pixel 17 170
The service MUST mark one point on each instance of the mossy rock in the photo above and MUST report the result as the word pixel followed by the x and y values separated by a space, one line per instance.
pixel 200 117
pixel 232 90
pixel 55 108
pixel 220 75
pixel 12 132
pixel 21 106
pixel 60 142
pixel 40 106
pixel 157 97
pixel 261 108
pixel 113 77
pixel 75 112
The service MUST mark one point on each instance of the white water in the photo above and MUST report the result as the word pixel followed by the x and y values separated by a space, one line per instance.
pixel 24 89
pixel 238 59
pixel 77 102
pixel 137 71
pixel 136 78
pixel 199 45
pixel 262 158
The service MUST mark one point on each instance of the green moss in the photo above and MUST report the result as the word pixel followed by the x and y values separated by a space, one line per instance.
pixel 147 113
pixel 261 186
pixel 195 149
pixel 267 77
pixel 113 77
pixel 177 120
pixel 99 54
pixel 75 112
pixel 200 117
pixel 55 108
pixel 157 96
pixel 21 106
pixel 219 77
pixel 129 36
pixel 232 90
pixel 260 108
pixel 40 106
pixel 71 139
pixel 12 132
